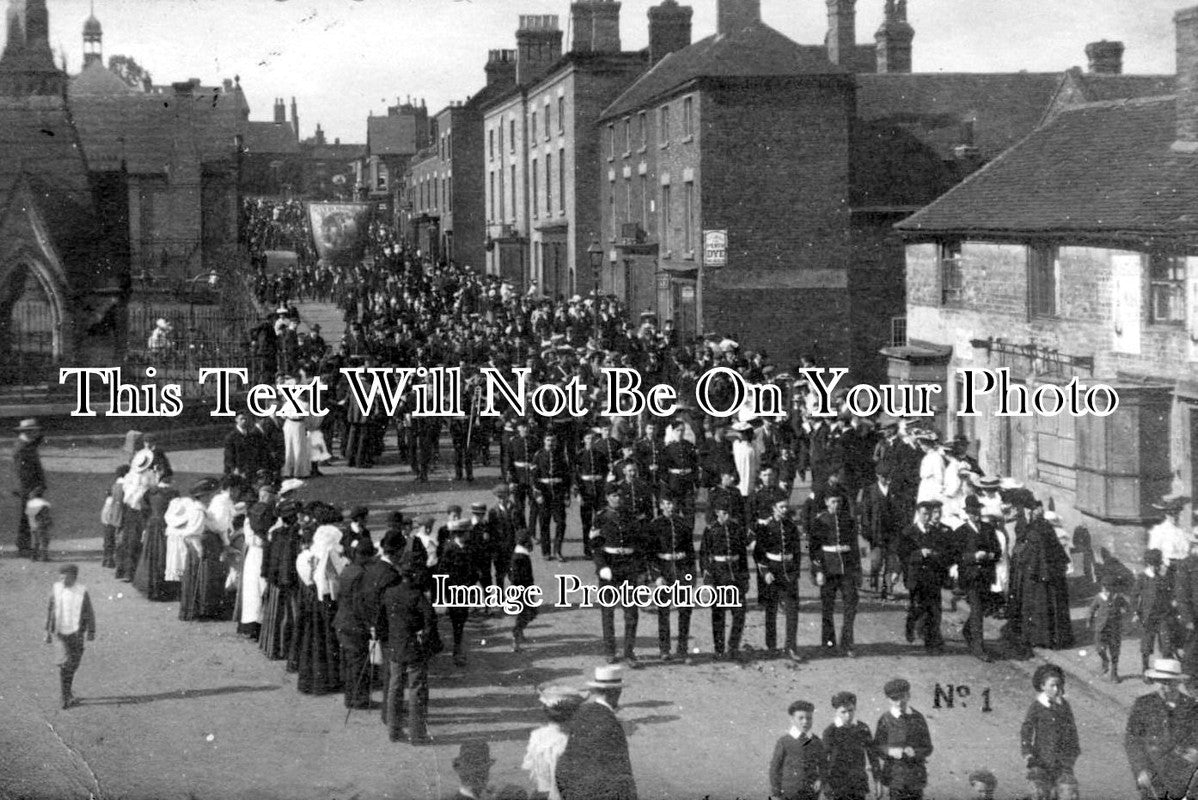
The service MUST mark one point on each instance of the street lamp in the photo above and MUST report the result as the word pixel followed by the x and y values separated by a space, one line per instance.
pixel 595 253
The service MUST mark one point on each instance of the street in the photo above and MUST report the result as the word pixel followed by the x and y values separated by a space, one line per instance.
pixel 189 710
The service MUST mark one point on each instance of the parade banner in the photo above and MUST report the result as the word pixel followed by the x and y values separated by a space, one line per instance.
pixel 339 230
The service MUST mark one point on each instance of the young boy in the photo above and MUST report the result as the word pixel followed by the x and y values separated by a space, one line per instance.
pixel 1049 736
pixel 903 743
pixel 69 618
pixel 37 511
pixel 111 514
pixel 797 766
pixel 849 748
pixel 983 783
pixel 1106 623
pixel 1151 603
pixel 520 574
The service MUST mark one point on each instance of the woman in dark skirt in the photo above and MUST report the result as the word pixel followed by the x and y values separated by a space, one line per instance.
pixel 281 606
pixel 202 593
pixel 151 567
pixel 318 567
pixel 1044 590
pixel 136 483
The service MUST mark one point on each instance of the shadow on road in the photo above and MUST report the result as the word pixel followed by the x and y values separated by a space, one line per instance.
pixel 182 694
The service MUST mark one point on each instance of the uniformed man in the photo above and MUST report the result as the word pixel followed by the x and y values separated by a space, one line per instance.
pixel 649 454
pixel 592 467
pixel 727 494
pixel 777 552
pixel 551 482
pixel 674 563
pixel 618 552
pixel 607 444
pixel 980 553
pixel 520 452
pixel 759 507
pixel 723 554
pixel 680 475
pixel 924 553
pixel 836 567
pixel 461 433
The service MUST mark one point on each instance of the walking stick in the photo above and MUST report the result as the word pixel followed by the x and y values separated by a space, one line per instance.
pixel 358 684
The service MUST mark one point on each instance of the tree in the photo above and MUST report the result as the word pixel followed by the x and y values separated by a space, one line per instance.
pixel 132 73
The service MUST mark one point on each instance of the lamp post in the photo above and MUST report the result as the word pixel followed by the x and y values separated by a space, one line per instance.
pixel 595 253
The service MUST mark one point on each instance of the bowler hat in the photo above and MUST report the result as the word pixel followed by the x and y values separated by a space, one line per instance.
pixel 28 425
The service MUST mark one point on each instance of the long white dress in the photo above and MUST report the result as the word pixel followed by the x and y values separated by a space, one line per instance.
pixel 253 585
pixel 748 463
pixel 184 519
pixel 545 746
pixel 931 477
pixel 297 453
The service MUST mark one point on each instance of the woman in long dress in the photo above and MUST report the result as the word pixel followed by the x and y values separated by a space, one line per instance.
pixel 318 567
pixel 252 589
pixel 279 610
pixel 546 743
pixel 151 567
pixel 297 453
pixel 137 482
pixel 202 591
pixel 1044 590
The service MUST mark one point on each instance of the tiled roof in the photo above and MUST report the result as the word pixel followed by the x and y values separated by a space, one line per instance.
pixel 392 135
pixel 97 79
pixel 754 50
pixel 336 152
pixel 39 144
pixel 270 137
pixel 1105 168
pixel 1098 88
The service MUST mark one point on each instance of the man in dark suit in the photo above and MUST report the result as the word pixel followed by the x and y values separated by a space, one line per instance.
pixel 924 552
pixel 1161 740
pixel 411 626
pixel 881 525
pixel 980 552
pixel 551 482
pixel 379 576
pixel 27 465
pixel 595 764
pixel 592 466
pixel 242 448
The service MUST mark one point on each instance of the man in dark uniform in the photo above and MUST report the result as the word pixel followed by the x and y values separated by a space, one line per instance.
pixel 27 468
pixel 727 495
pixel 980 552
pixel 618 551
pixel 836 566
pixel 608 445
pixel 241 448
pixel 723 553
pixel 638 498
pixel 460 428
pixel 649 452
pixel 680 475
pixel 673 543
pixel 924 553
pixel 777 552
pixel 1161 739
pixel 411 626
pixel 591 467
pixel 551 479
pixel 521 449
pixel 759 509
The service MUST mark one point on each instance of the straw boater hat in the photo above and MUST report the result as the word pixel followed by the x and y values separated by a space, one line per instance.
pixel 1171 502
pixel 162 323
pixel 142 461
pixel 28 426
pixel 1166 669
pixel 607 677
pixel 290 485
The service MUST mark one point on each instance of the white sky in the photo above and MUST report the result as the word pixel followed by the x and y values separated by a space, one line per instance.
pixel 343 59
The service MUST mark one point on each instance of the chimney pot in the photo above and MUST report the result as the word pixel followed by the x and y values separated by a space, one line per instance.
pixel 842 32
pixel 1106 58
pixel 669 29
pixel 735 15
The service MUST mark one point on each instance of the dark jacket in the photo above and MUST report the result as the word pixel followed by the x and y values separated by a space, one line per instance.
pixel 1049 736
pixel 795 766
pixel 411 623
pixel 595 764
pixel 1156 739
pixel 909 730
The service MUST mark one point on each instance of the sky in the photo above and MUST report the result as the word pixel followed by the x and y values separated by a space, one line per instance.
pixel 345 59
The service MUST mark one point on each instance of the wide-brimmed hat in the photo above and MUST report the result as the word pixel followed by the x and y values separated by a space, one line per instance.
pixel 607 677
pixel 1171 502
pixel 141 461
pixel 1166 669
pixel 28 426
pixel 986 483
pixel 162 323
pixel 289 485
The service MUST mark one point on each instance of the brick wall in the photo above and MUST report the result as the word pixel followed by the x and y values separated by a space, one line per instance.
pixel 469 189
pixel 876 287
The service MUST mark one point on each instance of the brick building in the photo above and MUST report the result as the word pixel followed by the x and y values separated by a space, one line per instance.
pixel 391 142
pixel 541 145
pixel 739 131
pixel 1075 255
pixel 444 210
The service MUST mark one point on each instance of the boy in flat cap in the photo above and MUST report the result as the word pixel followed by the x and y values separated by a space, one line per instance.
pixel 903 743
pixel 69 618
pixel 797 766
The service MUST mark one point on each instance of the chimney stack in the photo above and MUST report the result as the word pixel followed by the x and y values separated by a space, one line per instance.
pixel 842 32
pixel 669 29
pixel 1186 22
pixel 1106 58
pixel 501 67
pixel 894 39
pixel 735 15
pixel 280 111
pixel 596 25
pixel 295 117
pixel 538 45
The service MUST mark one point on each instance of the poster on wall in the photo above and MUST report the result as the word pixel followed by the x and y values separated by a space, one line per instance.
pixel 715 248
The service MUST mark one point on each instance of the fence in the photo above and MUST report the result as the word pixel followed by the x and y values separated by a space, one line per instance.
pixel 199 336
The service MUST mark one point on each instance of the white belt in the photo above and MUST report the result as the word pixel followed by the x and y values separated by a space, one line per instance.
pixel 550 480
pixel 521 463
pixel 836 548
pixel 672 556
pixel 620 551
pixel 724 559
pixel 591 477
pixel 676 471
pixel 780 556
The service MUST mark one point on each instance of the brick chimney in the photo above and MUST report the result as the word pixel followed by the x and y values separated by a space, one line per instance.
pixel 734 15
pixel 538 45
pixel 1106 58
pixel 295 118
pixel 1186 22
pixel 894 39
pixel 669 29
pixel 501 67
pixel 596 26
pixel 280 111
pixel 842 32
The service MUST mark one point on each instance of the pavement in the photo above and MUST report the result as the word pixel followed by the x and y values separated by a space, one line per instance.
pixel 190 710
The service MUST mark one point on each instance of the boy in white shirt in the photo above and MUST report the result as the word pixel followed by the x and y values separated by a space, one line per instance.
pixel 70 617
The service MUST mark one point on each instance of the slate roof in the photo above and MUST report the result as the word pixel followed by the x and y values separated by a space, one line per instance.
pixel 1104 168
pixel 97 79
pixel 270 138
pixel 754 50
pixel 392 135
pixel 1099 88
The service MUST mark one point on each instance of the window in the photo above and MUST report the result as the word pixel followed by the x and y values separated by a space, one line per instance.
pixel 501 137
pixel 511 135
pixel 561 115
pixel 645 203
pixel 665 218
pixel 449 146
pixel 491 144
pixel 448 193
pixel 688 116
pixel 1042 281
pixel 532 126
pixel 548 183
pixel 627 134
pixel 664 125
pixel 491 198
pixel 687 224
pixel 642 130
pixel 502 198
pixel 561 179
pixel 1167 285
pixel 611 141
pixel 951 277
pixel 611 208
pixel 547 126
pixel 513 192
pixel 628 199
pixel 534 187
